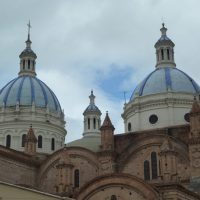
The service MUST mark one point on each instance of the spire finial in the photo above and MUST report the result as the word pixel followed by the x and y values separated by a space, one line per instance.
pixel 163 29
pixel 29 27
pixel 92 97
pixel 28 42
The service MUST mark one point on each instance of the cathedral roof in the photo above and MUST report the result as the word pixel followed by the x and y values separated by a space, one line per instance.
pixel 164 38
pixel 28 90
pixel 166 79
pixel 107 124
pixel 92 143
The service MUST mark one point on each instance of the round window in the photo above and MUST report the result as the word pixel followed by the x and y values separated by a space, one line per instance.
pixel 187 117
pixel 153 119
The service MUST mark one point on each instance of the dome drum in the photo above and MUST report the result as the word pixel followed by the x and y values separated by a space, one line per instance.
pixel 169 107
pixel 17 129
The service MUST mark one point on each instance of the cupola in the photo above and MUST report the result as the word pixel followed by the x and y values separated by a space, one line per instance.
pixel 27 58
pixel 164 50
pixel 92 118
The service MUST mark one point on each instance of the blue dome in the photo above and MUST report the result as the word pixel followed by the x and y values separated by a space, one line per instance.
pixel 166 79
pixel 27 89
pixel 92 108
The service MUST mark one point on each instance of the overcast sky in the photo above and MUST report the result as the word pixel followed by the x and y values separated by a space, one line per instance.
pixel 104 45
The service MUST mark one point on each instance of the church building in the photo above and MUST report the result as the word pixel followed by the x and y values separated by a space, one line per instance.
pixel 156 158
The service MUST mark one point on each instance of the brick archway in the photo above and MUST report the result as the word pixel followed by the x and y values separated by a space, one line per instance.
pixel 124 186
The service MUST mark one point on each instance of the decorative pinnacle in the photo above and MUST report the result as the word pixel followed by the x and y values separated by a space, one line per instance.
pixel 92 97
pixel 163 29
pixel 28 42
pixel 29 27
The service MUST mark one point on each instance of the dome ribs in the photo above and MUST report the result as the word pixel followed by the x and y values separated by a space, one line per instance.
pixel 43 91
pixel 196 87
pixel 168 79
pixel 8 91
pixel 20 89
pixel 32 90
pixel 53 97
pixel 144 83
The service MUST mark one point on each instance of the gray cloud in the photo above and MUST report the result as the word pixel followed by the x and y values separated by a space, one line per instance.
pixel 74 40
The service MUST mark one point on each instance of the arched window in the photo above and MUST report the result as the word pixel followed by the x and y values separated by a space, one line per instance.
pixel 33 65
pixel 113 197
pixel 146 170
pixel 76 178
pixel 157 54
pixel 8 141
pixel 99 124
pixel 29 63
pixel 39 141
pixel 154 169
pixel 23 140
pixel 88 123
pixel 52 144
pixel 168 57
pixel 162 54
pixel 23 64
pixel 94 123
pixel 129 126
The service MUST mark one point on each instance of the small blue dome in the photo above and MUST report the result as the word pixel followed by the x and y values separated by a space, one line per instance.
pixel 28 89
pixel 166 79
pixel 92 108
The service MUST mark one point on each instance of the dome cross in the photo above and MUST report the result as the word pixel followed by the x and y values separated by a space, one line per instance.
pixel 29 27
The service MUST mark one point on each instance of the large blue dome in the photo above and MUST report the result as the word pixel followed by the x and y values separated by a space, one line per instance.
pixel 28 89
pixel 166 79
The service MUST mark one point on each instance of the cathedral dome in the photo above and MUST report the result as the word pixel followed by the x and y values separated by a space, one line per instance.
pixel 27 100
pixel 27 90
pixel 164 98
pixel 164 80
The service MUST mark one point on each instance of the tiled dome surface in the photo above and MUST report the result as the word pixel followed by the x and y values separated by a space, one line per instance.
pixel 166 79
pixel 28 89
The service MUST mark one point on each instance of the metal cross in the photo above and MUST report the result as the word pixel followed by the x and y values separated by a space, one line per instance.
pixel 29 27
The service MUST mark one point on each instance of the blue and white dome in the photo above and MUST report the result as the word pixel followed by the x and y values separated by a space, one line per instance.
pixel 164 98
pixel 27 100
pixel 26 90
pixel 164 80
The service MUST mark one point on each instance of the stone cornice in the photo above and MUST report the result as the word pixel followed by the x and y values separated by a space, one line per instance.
pixel 175 186
pixel 19 156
